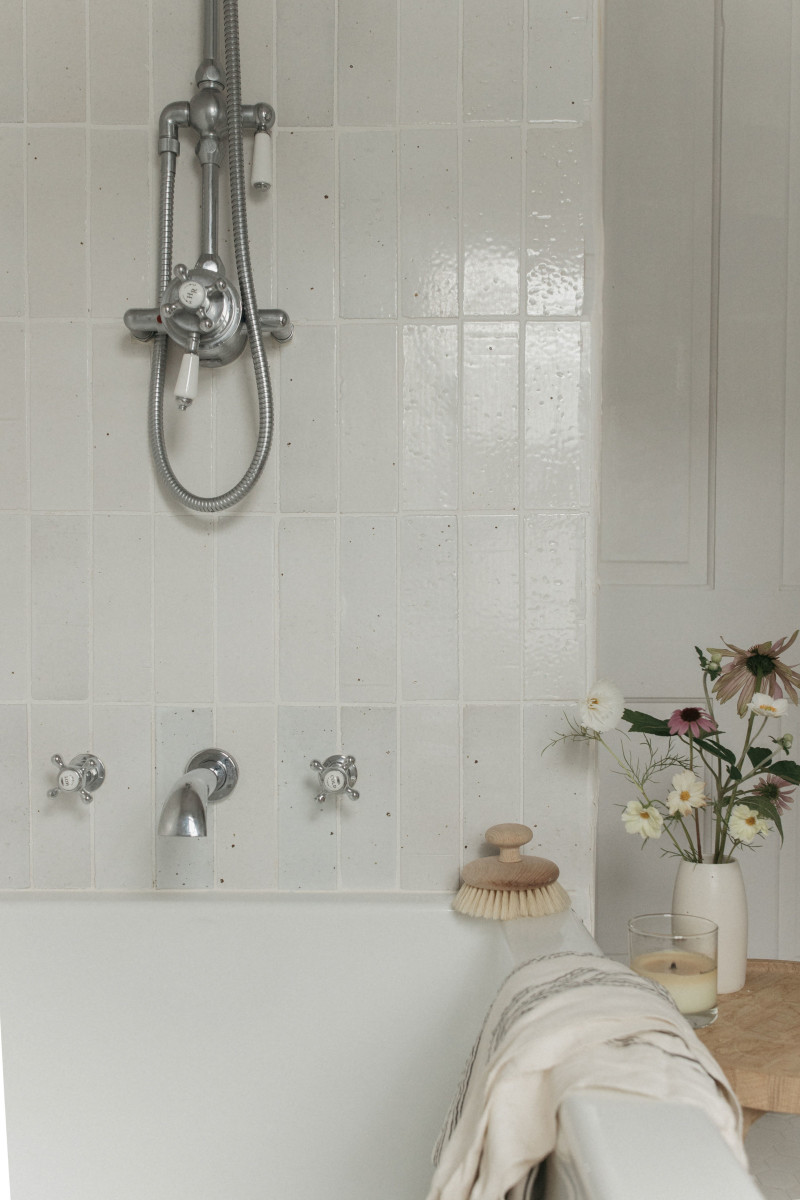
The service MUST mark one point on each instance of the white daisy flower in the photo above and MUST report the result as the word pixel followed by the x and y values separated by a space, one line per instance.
pixel 688 793
pixel 745 823
pixel 602 708
pixel 643 819
pixel 764 705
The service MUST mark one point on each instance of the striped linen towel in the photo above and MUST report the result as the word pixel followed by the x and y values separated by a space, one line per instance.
pixel 560 1022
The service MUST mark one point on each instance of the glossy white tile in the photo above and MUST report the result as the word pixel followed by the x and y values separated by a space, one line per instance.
pixel 15 604
pixel 122 579
pixel 555 569
pixel 490 416
pixel 305 80
pixel 492 197
pixel 367 62
pixel 60 606
pixel 57 285
pixel 306 437
pixel 558 167
pixel 119 63
pixel 12 216
pixel 307 621
pixel 308 843
pixel 121 254
pixel 257 49
pixel 368 418
pixel 182 862
pixel 122 737
pixel 174 56
pixel 305 199
pixel 429 478
pixel 245 607
pixel 428 607
pixel 15 865
pixel 184 610
pixel 558 416
pixel 429 222
pixel 369 826
pixel 556 661
pixel 120 387
pixel 494 43
pixel 428 62
pixel 235 427
pixel 490 607
pixel 368 609
pixel 56 61
pixel 560 67
pixel 429 791
pixel 492 757
pixel 59 415
pixel 61 826
pixel 246 822
pixel 368 224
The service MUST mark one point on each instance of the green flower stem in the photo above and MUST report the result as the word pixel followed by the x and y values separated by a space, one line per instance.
pixel 630 776
pixel 697 829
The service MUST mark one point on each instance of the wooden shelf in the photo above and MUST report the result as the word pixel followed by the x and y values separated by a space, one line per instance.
pixel 756 1037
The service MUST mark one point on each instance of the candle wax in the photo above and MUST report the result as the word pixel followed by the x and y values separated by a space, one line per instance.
pixel 689 977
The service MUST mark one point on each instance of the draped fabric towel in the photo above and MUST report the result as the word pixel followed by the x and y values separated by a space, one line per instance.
pixel 560 1022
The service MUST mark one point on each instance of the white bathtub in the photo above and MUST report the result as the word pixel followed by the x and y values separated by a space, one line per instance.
pixel 198 1047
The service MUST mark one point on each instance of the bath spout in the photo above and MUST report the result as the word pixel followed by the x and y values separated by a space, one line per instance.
pixel 210 775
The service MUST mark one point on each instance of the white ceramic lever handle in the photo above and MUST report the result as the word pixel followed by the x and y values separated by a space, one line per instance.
pixel 261 176
pixel 188 382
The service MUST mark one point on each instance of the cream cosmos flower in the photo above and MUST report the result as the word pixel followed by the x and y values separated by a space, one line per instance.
pixel 602 708
pixel 745 823
pixel 643 819
pixel 687 794
pixel 764 705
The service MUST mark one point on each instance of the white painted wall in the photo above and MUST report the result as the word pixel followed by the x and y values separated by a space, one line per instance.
pixel 411 580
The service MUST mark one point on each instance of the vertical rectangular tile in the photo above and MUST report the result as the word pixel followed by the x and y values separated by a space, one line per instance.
pixel 119 63
pixel 120 388
pixel 492 182
pixel 308 846
pixel 257 47
pixel 369 830
pixel 430 417
pixel 60 606
pixel 235 428
pixel 558 416
pixel 368 418
pixel 490 421
pixel 59 416
pixel 189 439
pixel 494 39
pixel 12 220
pixel 368 609
pixel 13 420
pixel 306 37
pixel 307 630
pixel 15 605
pixel 245 608
pixel 123 806
pixel 56 60
pixel 61 826
pixel 429 222
pixel 184 587
pixel 367 62
pixel 306 440
pixel 428 607
pixel 182 862
pixel 306 203
pixel 490 636
pixel 559 166
pixel 122 600
pixel 57 266
pixel 429 795
pixel 556 570
pixel 15 812
pixel 492 757
pixel 246 830
pixel 560 66
pixel 175 53
pixel 122 249
pixel 428 62
pixel 367 224
pixel 12 99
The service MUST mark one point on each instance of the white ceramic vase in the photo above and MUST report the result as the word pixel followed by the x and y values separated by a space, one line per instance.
pixel 716 891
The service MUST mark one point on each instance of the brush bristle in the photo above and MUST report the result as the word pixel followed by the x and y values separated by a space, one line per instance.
pixel 497 905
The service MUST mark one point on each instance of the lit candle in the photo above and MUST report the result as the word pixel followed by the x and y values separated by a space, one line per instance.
pixel 690 978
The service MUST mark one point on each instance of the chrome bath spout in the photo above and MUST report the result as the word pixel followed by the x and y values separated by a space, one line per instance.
pixel 210 775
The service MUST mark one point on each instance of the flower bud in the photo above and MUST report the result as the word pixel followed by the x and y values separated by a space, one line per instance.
pixel 786 742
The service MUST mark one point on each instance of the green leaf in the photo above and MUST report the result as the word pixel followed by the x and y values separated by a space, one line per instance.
pixel 787 770
pixel 719 751
pixel 758 755
pixel 765 808
pixel 643 723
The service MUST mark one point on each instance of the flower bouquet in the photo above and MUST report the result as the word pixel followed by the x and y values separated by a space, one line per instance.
pixel 746 791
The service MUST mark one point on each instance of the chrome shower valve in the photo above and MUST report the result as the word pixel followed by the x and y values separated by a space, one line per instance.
pixel 336 776
pixel 84 774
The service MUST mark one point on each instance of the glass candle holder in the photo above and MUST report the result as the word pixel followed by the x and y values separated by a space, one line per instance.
pixel 678 951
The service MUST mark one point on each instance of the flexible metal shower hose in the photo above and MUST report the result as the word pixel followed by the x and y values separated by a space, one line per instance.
pixel 212 504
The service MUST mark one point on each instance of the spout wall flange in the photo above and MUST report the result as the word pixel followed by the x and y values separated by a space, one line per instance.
pixel 224 767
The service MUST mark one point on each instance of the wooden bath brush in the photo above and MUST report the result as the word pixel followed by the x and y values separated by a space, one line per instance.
pixel 512 884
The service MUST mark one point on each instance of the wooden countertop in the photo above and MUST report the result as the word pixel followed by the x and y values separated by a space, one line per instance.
pixel 756 1037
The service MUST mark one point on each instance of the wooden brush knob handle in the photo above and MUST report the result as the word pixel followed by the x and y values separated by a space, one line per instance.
pixel 509 837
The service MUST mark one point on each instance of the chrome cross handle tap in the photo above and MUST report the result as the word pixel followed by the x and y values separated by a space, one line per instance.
pixel 336 776
pixel 84 775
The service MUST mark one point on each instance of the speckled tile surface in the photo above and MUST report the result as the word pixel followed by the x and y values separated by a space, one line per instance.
pixel 773 1147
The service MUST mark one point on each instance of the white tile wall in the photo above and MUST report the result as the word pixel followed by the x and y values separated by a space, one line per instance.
pixel 411 580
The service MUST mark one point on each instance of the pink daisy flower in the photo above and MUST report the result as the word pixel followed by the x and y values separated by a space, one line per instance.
pixel 695 721
pixel 777 790
pixel 760 665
